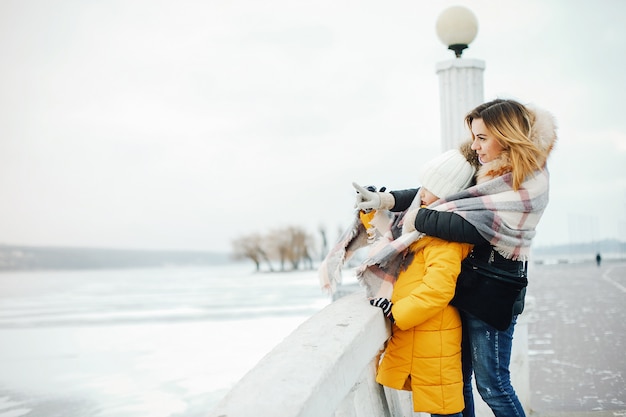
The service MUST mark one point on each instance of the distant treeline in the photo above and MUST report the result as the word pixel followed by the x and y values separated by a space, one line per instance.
pixel 291 247
pixel 40 258
pixel 14 257
pixel 592 247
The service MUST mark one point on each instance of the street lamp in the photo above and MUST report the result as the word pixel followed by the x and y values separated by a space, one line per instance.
pixel 457 27
pixel 460 80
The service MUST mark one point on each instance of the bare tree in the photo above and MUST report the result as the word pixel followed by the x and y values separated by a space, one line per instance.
pixel 278 241
pixel 251 247
pixel 298 245
pixel 324 249
pixel 308 251
pixel 289 246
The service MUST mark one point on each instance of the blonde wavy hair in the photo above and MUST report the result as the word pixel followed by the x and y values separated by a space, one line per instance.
pixel 511 124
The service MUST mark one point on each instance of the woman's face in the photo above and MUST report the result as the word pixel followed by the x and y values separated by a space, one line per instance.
pixel 486 146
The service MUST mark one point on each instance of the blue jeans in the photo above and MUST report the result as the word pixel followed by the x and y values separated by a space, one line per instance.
pixel 486 352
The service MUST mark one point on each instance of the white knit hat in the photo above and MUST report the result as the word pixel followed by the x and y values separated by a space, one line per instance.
pixel 447 174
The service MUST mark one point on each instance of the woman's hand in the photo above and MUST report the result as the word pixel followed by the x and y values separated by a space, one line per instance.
pixel 367 199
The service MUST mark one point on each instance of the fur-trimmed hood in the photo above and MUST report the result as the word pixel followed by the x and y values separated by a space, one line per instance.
pixel 543 135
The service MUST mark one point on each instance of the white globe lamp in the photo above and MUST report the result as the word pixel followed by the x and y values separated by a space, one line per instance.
pixel 457 27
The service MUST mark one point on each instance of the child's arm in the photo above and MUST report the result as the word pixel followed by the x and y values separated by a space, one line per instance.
pixel 433 294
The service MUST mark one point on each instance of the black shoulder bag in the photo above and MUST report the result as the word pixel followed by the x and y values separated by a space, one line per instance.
pixel 488 292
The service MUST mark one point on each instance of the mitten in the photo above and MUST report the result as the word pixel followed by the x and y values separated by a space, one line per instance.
pixel 385 305
pixel 367 199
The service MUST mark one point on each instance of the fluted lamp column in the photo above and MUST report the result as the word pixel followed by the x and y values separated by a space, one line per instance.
pixel 460 79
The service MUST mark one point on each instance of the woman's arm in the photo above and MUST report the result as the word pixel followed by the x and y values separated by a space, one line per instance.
pixel 403 198
pixel 447 226
pixel 368 199
pixel 444 225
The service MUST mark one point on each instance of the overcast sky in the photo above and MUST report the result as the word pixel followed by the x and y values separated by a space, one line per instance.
pixel 186 124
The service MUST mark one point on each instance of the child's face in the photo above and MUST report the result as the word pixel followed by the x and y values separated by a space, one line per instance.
pixel 427 197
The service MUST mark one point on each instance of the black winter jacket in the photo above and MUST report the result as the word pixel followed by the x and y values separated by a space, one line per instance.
pixel 452 227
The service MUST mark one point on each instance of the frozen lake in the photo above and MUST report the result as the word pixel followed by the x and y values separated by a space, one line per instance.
pixel 140 342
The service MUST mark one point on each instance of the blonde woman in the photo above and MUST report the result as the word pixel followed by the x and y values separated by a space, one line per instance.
pixel 499 216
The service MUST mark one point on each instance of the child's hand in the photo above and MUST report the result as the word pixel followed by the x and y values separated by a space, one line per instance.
pixel 385 305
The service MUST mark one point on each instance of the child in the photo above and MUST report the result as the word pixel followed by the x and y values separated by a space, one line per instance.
pixel 423 354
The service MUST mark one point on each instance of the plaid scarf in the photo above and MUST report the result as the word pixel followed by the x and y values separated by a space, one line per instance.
pixel 505 218
pixel 351 240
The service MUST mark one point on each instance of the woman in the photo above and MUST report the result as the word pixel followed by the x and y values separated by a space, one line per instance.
pixel 498 215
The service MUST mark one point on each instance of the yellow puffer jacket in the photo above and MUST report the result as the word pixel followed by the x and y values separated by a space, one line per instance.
pixel 424 353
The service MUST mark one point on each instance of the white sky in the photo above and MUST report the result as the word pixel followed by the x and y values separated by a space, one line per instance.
pixel 185 124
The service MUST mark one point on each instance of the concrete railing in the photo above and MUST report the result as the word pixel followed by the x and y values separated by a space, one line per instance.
pixel 326 368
